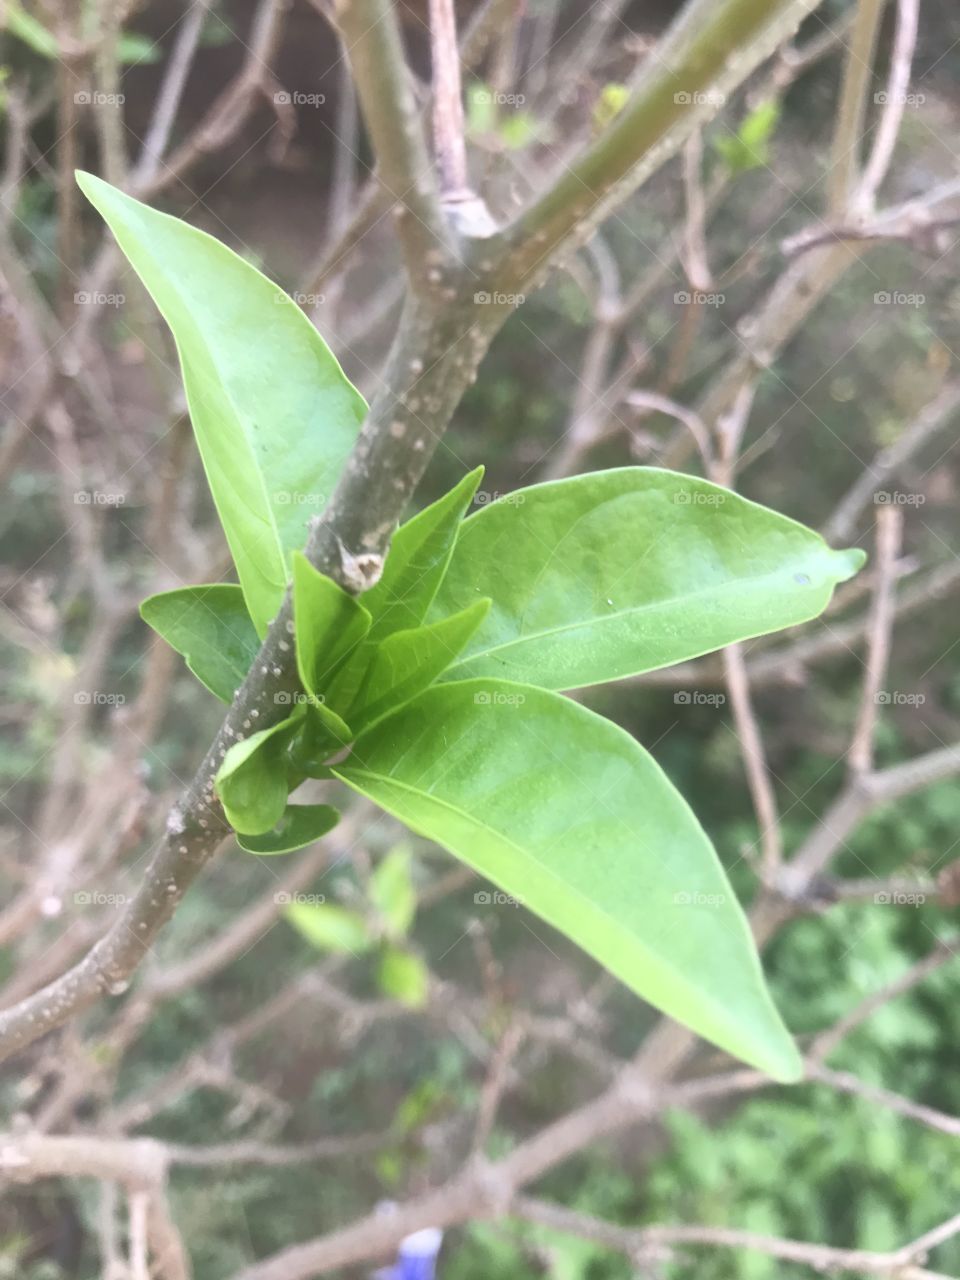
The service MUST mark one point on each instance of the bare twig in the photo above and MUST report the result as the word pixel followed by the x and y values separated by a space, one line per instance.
pixel 894 103
pixel 755 761
pixel 645 1243
pixel 372 35
pixel 851 114
pixel 451 151
pixel 889 532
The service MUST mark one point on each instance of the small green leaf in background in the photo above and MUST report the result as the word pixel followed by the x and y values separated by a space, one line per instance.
pixel 613 573
pixel 481 109
pixel 330 927
pixel 407 662
pixel 404 977
pixel 33 33
pixel 749 147
pixel 254 780
pixel 300 825
pixel 329 624
pixel 211 628
pixel 273 413
pixel 418 559
pixel 613 98
pixel 573 819
pixel 392 892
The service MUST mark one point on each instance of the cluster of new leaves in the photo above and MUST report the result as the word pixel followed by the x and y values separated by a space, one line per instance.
pixel 438 693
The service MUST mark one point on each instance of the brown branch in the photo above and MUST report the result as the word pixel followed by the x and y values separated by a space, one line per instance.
pixel 372 35
pixel 655 1243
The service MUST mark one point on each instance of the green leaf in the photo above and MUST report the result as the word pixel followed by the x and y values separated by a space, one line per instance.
pixel 329 624
pixel 613 98
pixel 322 735
pixel 403 976
pixel 330 927
pixel 749 147
pixel 407 662
pixel 417 561
pixel 33 33
pixel 137 49
pixel 567 814
pixel 617 572
pixel 211 628
pixel 300 825
pixel 392 892
pixel 273 413
pixel 254 780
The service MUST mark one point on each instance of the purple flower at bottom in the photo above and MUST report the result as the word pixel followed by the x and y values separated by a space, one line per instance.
pixel 417 1257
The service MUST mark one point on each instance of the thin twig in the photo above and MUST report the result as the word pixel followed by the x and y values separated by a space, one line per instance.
pixel 894 103
pixel 889 533
pixel 372 35
pixel 851 113
pixel 451 151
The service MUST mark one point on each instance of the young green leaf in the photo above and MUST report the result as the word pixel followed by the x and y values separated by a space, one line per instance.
pixel 329 625
pixel 211 628
pixel 417 561
pixel 254 780
pixel 406 663
pixel 570 816
pixel 273 413
pixel 749 147
pixel 613 573
pixel 300 825
pixel 403 976
pixel 330 927
pixel 392 892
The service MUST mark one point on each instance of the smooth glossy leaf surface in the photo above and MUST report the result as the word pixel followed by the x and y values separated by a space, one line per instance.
pixel 273 413
pixel 330 927
pixel 403 976
pixel 300 825
pixel 417 561
pixel 406 663
pixel 329 624
pixel 211 628
pixel 569 815
pixel 253 781
pixel 392 892
pixel 617 572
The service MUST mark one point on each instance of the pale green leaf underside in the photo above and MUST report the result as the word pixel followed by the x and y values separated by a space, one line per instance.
pixel 566 812
pixel 274 415
pixel 618 572
pixel 253 781
pixel 211 628
pixel 300 825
